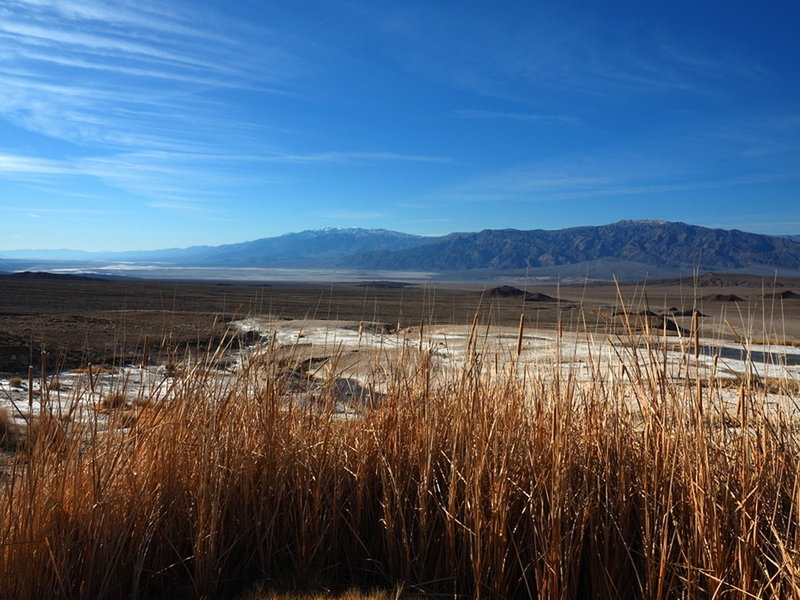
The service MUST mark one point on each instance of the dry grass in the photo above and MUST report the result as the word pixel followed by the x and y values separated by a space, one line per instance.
pixel 114 400
pixel 259 593
pixel 9 436
pixel 536 486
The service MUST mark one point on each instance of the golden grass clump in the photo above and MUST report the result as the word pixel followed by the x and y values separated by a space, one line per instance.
pixel 540 486
pixel 9 435
pixel 114 400
pixel 259 593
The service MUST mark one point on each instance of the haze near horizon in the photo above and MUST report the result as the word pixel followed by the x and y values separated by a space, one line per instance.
pixel 131 125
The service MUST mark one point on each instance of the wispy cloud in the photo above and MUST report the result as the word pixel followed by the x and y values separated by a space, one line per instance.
pixel 155 17
pixel 537 182
pixel 570 181
pixel 12 164
pixel 40 210
pixel 721 66
pixel 180 207
pixel 512 116
pixel 100 45
pixel 127 76
pixel 188 177
pixel 152 72
pixel 546 54
pixel 711 155
pixel 756 223
pixel 354 157
pixel 350 215
pixel 109 118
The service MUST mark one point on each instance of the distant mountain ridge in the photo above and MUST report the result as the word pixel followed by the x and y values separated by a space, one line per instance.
pixel 655 243
pixel 628 249
pixel 321 247
pixel 317 247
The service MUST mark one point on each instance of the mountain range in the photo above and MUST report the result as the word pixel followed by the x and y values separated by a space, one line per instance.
pixel 654 243
pixel 628 249
pixel 311 248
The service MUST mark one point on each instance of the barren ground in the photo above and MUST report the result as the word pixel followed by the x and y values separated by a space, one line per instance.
pixel 108 322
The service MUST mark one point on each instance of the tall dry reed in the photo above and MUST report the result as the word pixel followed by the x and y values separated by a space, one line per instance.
pixel 543 486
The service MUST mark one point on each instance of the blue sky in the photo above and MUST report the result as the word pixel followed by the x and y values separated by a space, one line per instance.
pixel 150 124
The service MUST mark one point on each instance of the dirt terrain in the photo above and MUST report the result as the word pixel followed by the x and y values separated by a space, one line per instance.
pixel 78 320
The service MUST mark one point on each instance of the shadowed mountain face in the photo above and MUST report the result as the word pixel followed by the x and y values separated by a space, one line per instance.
pixel 656 243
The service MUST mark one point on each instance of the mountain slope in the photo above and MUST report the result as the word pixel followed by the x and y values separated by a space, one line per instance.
pixel 323 247
pixel 657 243
pixel 318 248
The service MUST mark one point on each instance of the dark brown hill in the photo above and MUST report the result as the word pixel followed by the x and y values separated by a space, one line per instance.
pixel 540 297
pixel 508 291
pixel 505 291
pixel 784 295
pixel 674 312
pixel 723 298
pixel 727 280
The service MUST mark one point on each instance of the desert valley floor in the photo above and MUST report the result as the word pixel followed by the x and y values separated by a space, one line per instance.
pixel 369 425
pixel 357 335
